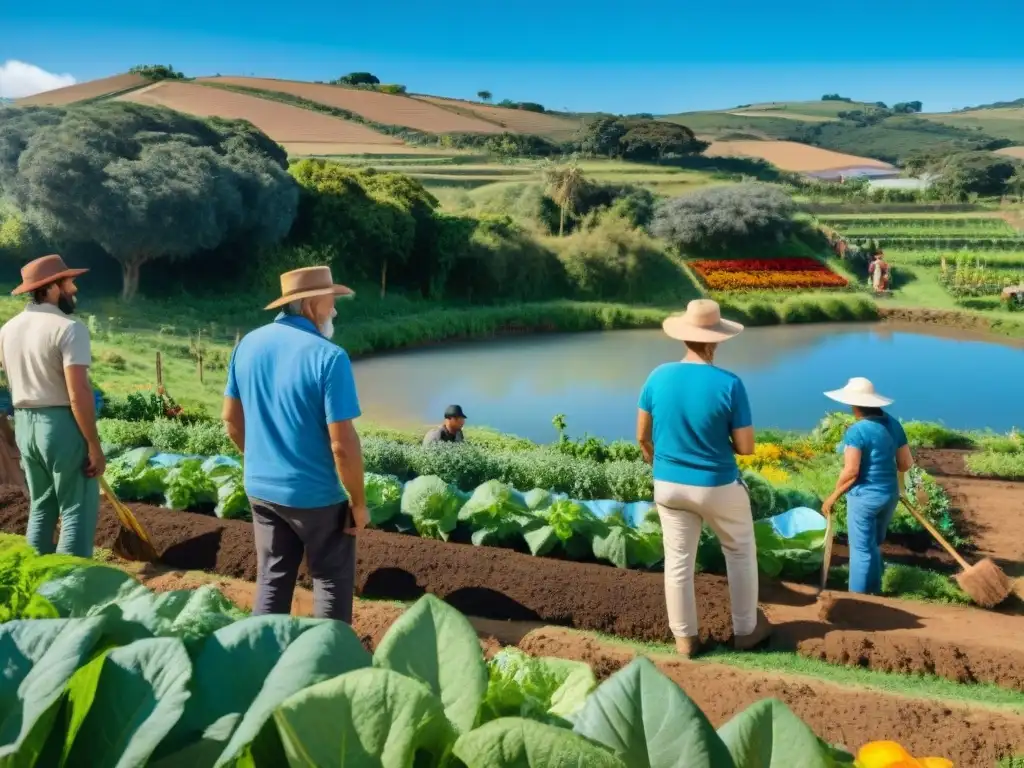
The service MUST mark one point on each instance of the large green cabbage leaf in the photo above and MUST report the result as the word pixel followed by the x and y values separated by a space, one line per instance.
pixel 496 512
pixel 435 644
pixel 543 689
pixel 515 742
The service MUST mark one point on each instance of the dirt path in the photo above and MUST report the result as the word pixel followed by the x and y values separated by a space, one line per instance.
pixel 969 735
pixel 961 644
pixel 992 510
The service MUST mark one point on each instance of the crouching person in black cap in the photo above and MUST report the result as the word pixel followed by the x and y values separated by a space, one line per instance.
pixel 451 430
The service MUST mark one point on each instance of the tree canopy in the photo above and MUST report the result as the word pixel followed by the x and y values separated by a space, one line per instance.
pixel 157 72
pixel 726 218
pixel 358 78
pixel 143 182
pixel 638 139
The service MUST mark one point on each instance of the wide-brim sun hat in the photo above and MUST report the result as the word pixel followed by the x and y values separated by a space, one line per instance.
pixel 860 392
pixel 44 271
pixel 308 283
pixel 701 322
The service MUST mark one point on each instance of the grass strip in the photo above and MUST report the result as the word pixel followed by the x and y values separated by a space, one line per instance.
pixel 930 687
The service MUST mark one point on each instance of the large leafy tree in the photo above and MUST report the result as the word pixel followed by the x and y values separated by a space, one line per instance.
pixel 144 183
pixel 637 139
pixel 375 222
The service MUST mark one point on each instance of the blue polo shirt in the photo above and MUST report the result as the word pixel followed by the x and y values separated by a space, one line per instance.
pixel 878 440
pixel 292 382
pixel 695 407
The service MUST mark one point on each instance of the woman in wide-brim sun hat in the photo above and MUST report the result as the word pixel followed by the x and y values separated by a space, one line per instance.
pixel 875 456
pixel 693 419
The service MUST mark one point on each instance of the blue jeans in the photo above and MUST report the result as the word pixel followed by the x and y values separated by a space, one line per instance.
pixel 867 519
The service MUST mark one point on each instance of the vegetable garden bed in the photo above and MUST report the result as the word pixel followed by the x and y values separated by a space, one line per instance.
pixel 961 644
pixel 178 678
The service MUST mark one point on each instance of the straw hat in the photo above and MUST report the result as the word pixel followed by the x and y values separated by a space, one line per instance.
pixel 860 392
pixel 701 322
pixel 44 271
pixel 306 283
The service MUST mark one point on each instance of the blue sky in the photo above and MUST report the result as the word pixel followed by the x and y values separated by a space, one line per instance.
pixel 660 56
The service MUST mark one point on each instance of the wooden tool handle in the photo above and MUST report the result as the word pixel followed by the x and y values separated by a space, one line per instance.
pixel 937 536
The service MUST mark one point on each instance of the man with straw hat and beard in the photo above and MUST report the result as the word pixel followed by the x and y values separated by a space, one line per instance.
pixel 875 456
pixel 289 406
pixel 693 419
pixel 46 355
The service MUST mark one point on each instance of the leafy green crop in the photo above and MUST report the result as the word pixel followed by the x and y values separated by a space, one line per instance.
pixel 272 691
pixel 383 497
pixel 433 506
pixel 496 512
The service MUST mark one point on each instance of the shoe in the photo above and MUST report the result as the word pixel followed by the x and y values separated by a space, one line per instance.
pixel 762 631
pixel 689 646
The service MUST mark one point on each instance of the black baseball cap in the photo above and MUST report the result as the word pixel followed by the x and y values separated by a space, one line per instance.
pixel 454 412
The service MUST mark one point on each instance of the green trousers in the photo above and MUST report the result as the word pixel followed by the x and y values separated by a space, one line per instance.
pixel 54 455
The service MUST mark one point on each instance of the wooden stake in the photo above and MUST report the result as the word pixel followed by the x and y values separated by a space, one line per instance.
pixel 159 373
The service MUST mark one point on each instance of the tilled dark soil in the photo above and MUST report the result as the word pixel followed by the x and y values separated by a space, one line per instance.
pixel 966 735
pixel 959 644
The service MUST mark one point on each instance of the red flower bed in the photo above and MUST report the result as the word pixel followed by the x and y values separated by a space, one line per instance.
pixel 753 274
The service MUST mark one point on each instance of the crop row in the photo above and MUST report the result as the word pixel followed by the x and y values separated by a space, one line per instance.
pixel 766 274
pixel 942 224
pixel 105 672
pixel 926 242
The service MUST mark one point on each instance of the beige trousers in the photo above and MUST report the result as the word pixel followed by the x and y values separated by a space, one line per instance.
pixel 726 510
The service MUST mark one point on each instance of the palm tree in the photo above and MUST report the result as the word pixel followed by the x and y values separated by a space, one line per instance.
pixel 565 184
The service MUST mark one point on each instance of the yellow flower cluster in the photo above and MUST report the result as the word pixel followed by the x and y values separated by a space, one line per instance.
pixel 889 754
pixel 769 456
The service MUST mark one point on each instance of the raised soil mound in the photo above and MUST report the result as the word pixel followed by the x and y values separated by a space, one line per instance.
pixel 964 645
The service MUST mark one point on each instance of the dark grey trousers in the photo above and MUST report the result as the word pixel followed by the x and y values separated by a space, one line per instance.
pixel 282 535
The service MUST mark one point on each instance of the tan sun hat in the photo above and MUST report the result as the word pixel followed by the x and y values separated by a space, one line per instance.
pixel 701 322
pixel 44 271
pixel 860 392
pixel 306 283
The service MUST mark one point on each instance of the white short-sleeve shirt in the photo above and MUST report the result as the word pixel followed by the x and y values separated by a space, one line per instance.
pixel 35 348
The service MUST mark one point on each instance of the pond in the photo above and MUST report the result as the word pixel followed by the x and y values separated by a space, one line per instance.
pixel 517 385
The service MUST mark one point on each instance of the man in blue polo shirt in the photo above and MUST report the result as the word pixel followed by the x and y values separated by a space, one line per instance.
pixel 289 406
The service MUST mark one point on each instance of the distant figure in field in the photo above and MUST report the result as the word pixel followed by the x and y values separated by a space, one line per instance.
pixel 693 419
pixel 451 430
pixel 875 458
pixel 878 273
pixel 289 406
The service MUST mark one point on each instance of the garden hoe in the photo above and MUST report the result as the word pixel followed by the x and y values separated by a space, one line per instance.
pixel 824 601
pixel 984 582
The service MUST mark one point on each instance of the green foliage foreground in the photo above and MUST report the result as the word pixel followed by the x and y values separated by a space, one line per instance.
pixel 110 681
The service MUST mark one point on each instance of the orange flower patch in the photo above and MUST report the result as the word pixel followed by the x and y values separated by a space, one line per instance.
pixel 766 274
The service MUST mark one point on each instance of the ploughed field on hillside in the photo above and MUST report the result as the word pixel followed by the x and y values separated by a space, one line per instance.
pixel 283 123
pixel 383 108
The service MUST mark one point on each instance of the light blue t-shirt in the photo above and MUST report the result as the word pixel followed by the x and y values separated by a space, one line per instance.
pixel 695 407
pixel 292 382
pixel 878 440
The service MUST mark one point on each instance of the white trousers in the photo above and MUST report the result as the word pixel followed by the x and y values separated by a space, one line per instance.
pixel 726 510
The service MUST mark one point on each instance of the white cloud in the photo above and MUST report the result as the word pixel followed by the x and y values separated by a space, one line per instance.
pixel 18 79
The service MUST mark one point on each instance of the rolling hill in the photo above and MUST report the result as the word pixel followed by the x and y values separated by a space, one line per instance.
pixel 321 119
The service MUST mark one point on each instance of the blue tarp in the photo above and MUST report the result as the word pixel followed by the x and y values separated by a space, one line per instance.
pixel 787 524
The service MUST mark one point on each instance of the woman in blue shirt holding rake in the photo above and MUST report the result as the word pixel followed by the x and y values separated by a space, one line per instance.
pixel 875 456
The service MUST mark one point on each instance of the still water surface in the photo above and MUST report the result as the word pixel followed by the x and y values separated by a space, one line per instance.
pixel 517 385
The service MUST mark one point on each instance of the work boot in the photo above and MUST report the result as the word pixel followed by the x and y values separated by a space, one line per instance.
pixel 689 646
pixel 762 631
